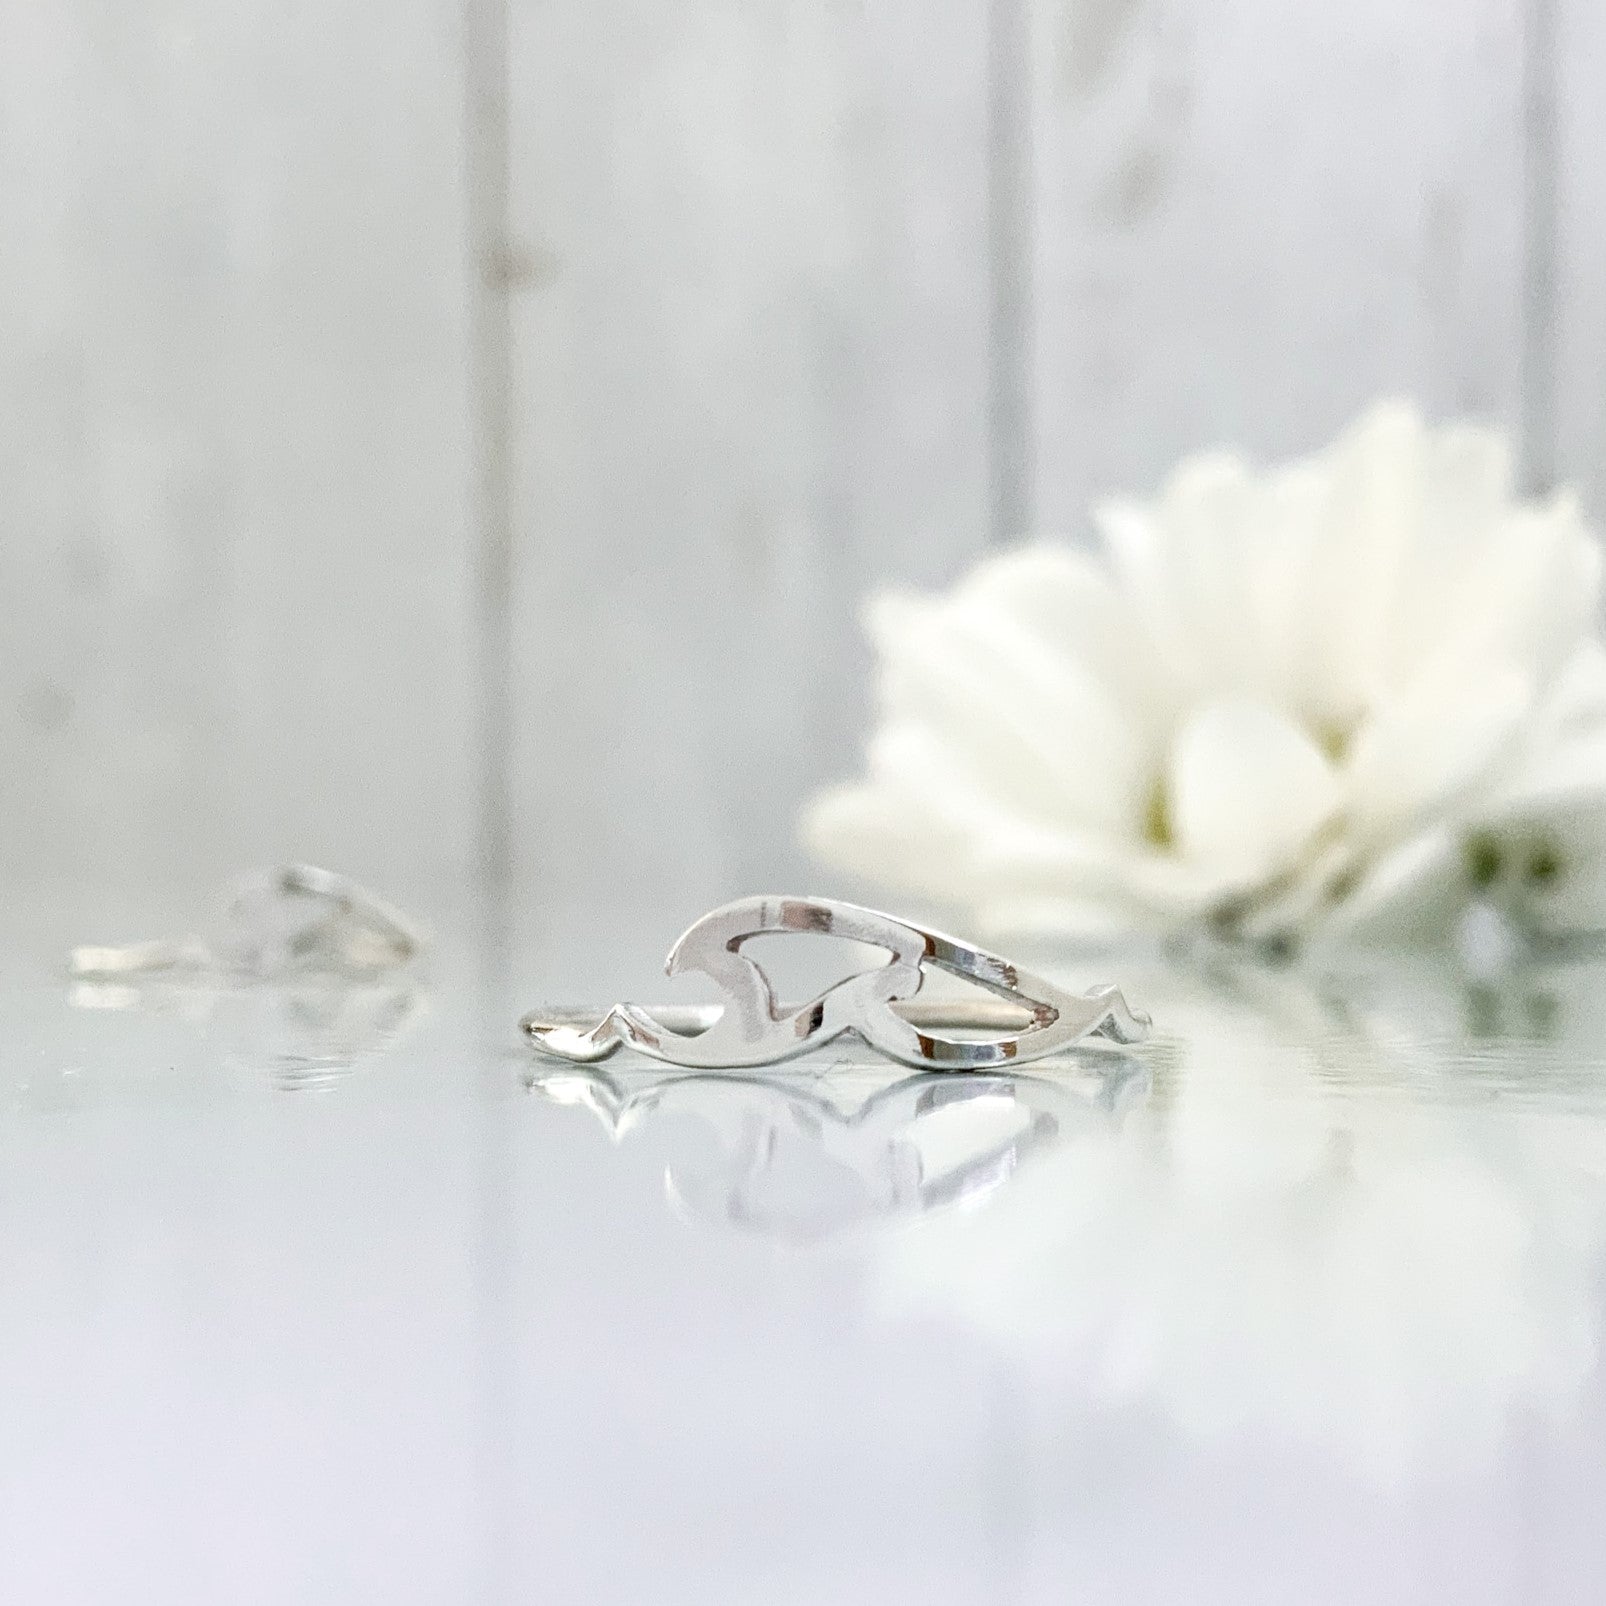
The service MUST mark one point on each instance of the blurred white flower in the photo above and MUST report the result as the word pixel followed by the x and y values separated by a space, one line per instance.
pixel 1354 693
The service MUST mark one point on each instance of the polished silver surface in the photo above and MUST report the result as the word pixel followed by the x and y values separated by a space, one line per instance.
pixel 1028 1018
pixel 296 919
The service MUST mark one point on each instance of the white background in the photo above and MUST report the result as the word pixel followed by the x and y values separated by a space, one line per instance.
pixel 448 439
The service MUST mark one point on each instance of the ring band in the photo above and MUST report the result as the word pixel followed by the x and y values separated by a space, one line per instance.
pixel 1026 1019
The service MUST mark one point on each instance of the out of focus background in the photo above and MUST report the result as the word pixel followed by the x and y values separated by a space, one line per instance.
pixel 449 440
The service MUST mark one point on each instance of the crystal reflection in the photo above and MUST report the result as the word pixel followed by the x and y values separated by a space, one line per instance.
pixel 298 1035
pixel 805 1159
pixel 1368 1217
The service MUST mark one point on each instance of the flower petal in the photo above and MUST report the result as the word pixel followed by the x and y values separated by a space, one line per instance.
pixel 1065 920
pixel 1248 790
pixel 869 830
pixel 1571 775
pixel 919 770
pixel 1045 735
pixel 1527 594
pixel 1151 587
pixel 1207 512
pixel 1428 751
pixel 1414 892
pixel 1282 581
pixel 1466 500
pixel 1067 602
pixel 1023 861
pixel 1562 759
pixel 1370 526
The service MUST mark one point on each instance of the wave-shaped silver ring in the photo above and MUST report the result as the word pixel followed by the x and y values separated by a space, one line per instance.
pixel 1026 1019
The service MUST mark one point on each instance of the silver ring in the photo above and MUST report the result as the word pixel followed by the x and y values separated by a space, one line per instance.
pixel 295 919
pixel 1026 1019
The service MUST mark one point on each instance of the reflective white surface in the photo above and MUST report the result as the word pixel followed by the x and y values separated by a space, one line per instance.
pixel 343 1296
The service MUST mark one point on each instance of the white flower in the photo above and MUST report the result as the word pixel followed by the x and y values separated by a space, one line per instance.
pixel 1353 692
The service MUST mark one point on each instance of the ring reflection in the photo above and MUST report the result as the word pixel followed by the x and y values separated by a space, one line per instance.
pixel 805 1159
